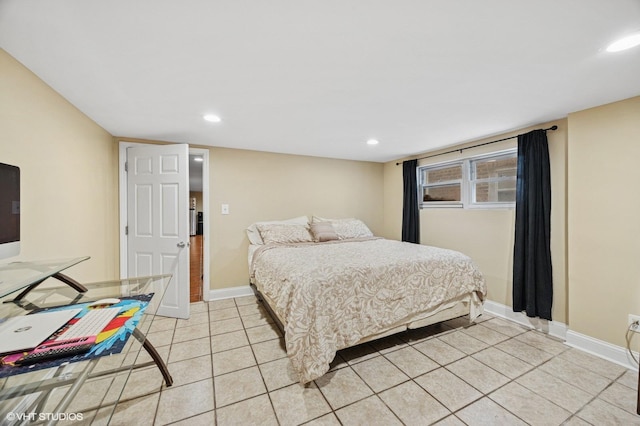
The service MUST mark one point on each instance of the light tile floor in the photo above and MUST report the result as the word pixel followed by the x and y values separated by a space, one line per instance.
pixel 230 368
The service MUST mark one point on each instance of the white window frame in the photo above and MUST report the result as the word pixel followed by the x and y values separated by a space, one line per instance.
pixel 440 204
pixel 467 185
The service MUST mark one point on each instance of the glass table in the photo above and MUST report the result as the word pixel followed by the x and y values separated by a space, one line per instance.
pixel 77 390
pixel 25 276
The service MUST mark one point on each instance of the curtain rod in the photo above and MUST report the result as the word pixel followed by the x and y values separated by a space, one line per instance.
pixel 474 146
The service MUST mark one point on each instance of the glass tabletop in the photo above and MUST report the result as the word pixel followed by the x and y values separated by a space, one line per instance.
pixel 90 387
pixel 15 276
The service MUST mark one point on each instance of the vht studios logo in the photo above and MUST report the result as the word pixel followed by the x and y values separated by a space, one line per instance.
pixel 32 417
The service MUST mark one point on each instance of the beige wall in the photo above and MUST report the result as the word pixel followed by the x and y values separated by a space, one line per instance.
pixel 487 235
pixel 68 170
pixel 262 186
pixel 604 219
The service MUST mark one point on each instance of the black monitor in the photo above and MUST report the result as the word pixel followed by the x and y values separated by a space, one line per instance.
pixel 9 211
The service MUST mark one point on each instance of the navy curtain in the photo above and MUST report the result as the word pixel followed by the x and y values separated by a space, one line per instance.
pixel 410 211
pixel 532 280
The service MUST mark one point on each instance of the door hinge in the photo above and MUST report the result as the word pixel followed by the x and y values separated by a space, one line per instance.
pixel 126 166
pixel 126 230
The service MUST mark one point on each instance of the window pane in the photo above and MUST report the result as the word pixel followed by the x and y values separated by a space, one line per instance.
pixel 505 196
pixel 494 168
pixel 492 192
pixel 444 174
pixel 494 179
pixel 482 192
pixel 441 193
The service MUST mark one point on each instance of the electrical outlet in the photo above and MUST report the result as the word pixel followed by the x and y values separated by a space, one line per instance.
pixel 634 322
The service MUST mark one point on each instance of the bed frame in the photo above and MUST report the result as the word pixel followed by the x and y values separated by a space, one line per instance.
pixel 456 310
pixel 266 305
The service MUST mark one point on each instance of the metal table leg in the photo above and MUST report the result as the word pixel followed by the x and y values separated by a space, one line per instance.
pixel 154 355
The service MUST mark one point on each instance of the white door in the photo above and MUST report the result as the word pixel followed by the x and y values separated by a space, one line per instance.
pixel 158 220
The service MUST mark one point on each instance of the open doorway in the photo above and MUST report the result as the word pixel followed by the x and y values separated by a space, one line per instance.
pixel 199 243
pixel 196 228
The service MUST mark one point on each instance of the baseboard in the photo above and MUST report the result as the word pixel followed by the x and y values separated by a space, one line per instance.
pixel 228 293
pixel 602 349
pixel 553 328
pixel 593 346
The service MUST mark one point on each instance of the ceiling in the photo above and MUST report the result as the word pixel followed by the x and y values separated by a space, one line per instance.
pixel 322 77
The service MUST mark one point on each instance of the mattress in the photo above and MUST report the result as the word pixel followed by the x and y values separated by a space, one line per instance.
pixel 335 294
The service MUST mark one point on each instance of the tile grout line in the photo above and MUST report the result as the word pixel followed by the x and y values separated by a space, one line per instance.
pixel 264 383
pixel 215 407
pixel 213 378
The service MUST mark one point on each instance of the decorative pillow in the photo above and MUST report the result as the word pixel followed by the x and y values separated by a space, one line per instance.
pixel 346 228
pixel 284 233
pixel 351 228
pixel 323 231
pixel 254 235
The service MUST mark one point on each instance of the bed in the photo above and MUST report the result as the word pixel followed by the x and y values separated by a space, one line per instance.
pixel 335 285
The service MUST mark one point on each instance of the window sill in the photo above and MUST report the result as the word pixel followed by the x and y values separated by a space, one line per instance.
pixel 494 206
pixel 441 206
pixel 484 206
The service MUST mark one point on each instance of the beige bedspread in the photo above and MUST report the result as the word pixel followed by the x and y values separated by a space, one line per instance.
pixel 333 294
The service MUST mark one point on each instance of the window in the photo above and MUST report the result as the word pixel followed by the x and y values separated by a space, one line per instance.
pixel 478 182
pixel 493 179
pixel 442 184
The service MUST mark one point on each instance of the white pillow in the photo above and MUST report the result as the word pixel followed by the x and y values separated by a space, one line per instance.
pixel 279 233
pixel 347 228
pixel 254 235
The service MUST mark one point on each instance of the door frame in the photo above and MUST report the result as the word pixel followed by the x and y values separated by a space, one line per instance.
pixel 122 196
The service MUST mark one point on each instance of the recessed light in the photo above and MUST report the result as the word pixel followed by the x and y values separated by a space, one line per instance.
pixel 373 142
pixel 625 43
pixel 198 159
pixel 212 118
